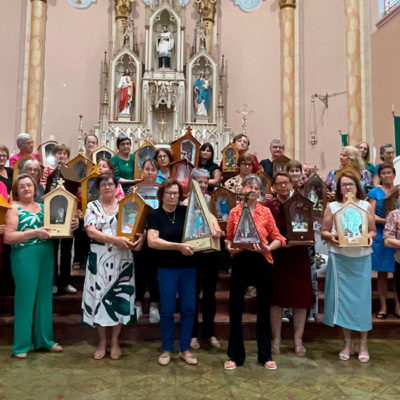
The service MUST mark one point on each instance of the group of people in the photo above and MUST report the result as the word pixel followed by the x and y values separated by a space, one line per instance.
pixel 119 271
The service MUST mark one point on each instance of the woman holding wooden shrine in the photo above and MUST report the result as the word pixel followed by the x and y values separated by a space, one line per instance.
pixel 349 156
pixel 164 158
pixel 207 268
pixel 382 257
pixel 206 161
pixel 176 270
pixel 348 277
pixel 124 163
pixel 145 266
pixel 33 280
pixel 246 164
pixel 254 265
pixel 242 143
pixel 108 293
pixel 291 283
pixel 6 173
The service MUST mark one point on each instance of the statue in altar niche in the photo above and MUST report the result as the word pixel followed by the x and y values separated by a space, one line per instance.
pixel 164 46
pixel 201 95
pixel 126 96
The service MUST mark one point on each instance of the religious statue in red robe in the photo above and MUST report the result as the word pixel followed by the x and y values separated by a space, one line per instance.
pixel 126 95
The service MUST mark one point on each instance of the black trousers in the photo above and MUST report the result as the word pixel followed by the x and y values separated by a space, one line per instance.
pixel 65 261
pixel 206 281
pixel 81 245
pixel 146 275
pixel 250 267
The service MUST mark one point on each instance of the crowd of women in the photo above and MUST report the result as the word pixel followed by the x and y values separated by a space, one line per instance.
pixel 119 271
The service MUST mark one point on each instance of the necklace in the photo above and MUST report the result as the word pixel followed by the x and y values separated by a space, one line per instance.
pixel 173 217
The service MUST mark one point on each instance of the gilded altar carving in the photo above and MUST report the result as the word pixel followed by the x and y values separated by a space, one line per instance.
pixel 207 9
pixel 287 3
pixel 123 8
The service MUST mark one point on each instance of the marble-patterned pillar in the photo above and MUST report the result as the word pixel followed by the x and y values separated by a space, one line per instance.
pixel 207 10
pixel 353 62
pixel 35 70
pixel 288 75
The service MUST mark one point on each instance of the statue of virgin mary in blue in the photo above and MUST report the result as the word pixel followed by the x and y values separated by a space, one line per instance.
pixel 201 95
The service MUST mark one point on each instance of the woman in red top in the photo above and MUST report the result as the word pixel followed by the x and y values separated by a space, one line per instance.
pixel 242 143
pixel 251 266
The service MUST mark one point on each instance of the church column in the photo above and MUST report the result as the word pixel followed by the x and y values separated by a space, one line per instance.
pixel 35 70
pixel 123 9
pixel 287 75
pixel 353 62
pixel 207 10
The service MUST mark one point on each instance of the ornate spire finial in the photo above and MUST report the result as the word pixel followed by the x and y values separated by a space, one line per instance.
pixel 123 8
pixel 207 9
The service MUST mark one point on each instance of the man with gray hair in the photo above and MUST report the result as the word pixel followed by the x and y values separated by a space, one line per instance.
pixel 277 148
pixel 25 145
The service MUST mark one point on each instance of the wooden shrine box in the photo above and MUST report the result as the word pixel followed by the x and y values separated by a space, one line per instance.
pixel 102 152
pixel 230 157
pixel 279 164
pixel 197 230
pixel 351 225
pixel 299 221
pixel 132 216
pixel 392 202
pixel 144 152
pixel 4 206
pixel 315 190
pixel 47 152
pixel 266 184
pixel 181 170
pixel 19 164
pixel 59 209
pixel 186 147
pixel 347 168
pixel 89 191
pixel 222 202
pixel 81 165
pixel 148 193
pixel 246 234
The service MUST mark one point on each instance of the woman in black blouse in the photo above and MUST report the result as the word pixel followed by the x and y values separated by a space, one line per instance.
pixel 206 161
pixel 6 173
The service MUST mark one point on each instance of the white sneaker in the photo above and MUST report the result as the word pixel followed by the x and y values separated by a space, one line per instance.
pixel 154 315
pixel 69 289
pixel 139 312
pixel 55 289
pixel 285 319
pixel 310 318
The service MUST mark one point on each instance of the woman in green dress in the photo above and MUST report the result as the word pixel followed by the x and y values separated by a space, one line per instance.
pixel 32 269
pixel 124 163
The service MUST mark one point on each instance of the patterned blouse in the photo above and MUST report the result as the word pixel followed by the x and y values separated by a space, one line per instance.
pixel 265 224
pixel 29 220
pixel 392 230
pixel 365 181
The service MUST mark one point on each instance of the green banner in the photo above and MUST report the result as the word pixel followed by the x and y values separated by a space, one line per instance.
pixel 345 139
pixel 397 134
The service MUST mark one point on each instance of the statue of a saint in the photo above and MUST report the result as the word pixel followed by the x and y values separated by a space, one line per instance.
pixel 126 94
pixel 164 46
pixel 201 95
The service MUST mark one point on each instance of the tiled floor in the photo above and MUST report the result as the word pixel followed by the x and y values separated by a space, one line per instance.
pixel 74 375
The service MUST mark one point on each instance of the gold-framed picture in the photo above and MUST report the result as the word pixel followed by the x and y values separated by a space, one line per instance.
pixel 47 152
pixel 81 165
pixel 279 164
pixel 102 152
pixel 315 190
pixel 222 202
pixel 230 156
pixel 89 191
pixel 132 215
pixel 187 147
pixel 144 152
pixel 197 230
pixel 59 209
pixel 181 170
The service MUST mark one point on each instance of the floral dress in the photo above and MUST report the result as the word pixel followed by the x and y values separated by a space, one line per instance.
pixel 108 294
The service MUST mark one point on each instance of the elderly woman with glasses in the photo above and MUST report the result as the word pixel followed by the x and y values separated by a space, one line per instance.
pixel 124 163
pixel 33 168
pixel 164 158
pixel 108 293
pixel 91 143
pixel 176 270
pixel 32 269
pixel 254 265
pixel 25 145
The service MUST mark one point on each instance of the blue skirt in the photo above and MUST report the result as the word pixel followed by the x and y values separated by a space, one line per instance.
pixel 382 257
pixel 348 292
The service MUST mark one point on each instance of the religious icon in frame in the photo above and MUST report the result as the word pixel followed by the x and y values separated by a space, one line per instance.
pixel 222 202
pixel 351 225
pixel 81 165
pixel 47 152
pixel 315 190
pixel 89 189
pixel 279 164
pixel 102 152
pixel 143 153
pixel 181 170
pixel 266 184
pixel 59 209
pixel 299 221
pixel 132 215
pixel 230 157
pixel 198 222
pixel 148 193
pixel 186 147
pixel 246 234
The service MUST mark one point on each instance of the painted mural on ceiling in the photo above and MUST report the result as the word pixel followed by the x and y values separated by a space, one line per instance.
pixel 81 3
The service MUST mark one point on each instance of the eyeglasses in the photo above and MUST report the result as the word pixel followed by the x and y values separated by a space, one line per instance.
pixel 347 185
pixel 172 194
pixel 107 185
pixel 280 184
pixel 26 186
pixel 90 142
pixel 247 164
pixel 3 156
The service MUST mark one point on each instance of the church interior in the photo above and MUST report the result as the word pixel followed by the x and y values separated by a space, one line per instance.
pixel 316 74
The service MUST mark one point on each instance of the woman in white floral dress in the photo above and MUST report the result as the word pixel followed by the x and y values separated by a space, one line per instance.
pixel 108 294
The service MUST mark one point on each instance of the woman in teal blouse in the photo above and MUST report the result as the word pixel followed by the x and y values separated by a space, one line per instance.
pixel 34 279
pixel 124 163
